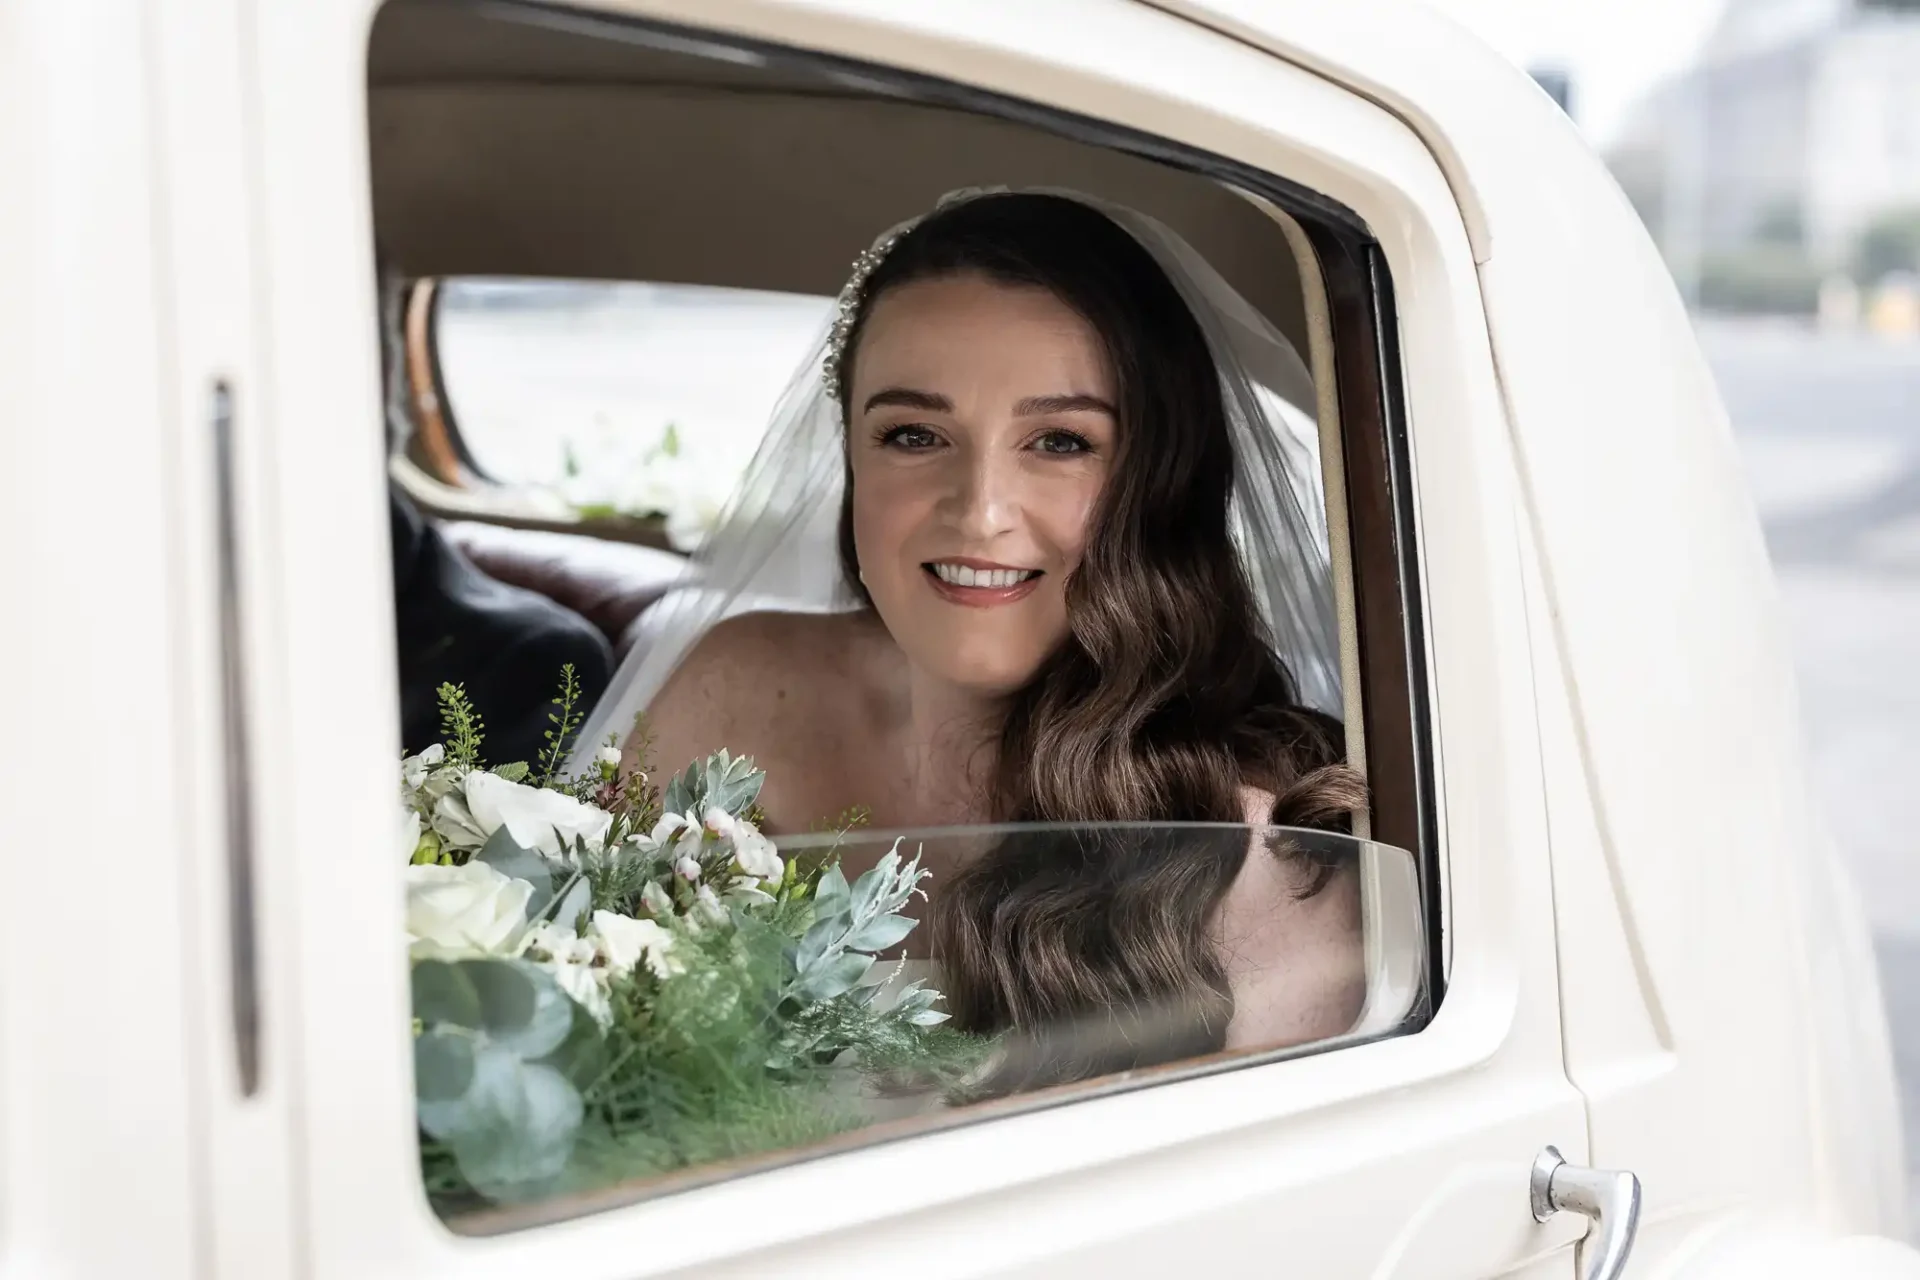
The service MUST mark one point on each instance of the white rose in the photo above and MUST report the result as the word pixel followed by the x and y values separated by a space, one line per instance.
pixel 472 909
pixel 609 757
pixel 753 851
pixel 625 942
pixel 570 959
pixel 536 818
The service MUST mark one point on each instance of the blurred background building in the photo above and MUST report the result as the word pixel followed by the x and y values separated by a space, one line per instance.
pixel 1783 167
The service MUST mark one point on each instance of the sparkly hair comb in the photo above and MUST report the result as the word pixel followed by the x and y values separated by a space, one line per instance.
pixel 853 293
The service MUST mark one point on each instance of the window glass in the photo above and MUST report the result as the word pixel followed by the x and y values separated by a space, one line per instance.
pixel 625 998
pixel 625 980
pixel 616 397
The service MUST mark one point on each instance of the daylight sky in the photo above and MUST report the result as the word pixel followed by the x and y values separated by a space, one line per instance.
pixel 1615 49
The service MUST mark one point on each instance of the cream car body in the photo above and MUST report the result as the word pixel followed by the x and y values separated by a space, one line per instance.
pixel 1654 960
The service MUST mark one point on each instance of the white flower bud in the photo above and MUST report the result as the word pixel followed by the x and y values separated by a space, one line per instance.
pixel 609 757
pixel 687 869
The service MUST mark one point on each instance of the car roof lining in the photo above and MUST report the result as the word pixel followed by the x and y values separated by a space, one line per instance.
pixel 501 146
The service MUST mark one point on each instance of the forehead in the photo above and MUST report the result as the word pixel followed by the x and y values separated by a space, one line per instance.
pixel 965 327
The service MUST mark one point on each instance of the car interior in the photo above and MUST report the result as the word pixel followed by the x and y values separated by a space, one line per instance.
pixel 515 143
pixel 557 150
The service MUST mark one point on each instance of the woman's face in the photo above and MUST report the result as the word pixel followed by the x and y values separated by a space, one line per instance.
pixel 980 431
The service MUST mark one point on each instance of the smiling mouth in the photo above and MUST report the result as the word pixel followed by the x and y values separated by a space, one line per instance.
pixel 966 575
pixel 980 586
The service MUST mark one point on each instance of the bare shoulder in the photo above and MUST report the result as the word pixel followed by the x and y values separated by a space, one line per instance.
pixel 748 684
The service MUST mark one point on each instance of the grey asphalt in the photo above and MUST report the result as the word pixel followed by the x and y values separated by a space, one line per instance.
pixel 1829 427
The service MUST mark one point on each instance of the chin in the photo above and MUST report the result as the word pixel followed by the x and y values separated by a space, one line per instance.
pixel 993 674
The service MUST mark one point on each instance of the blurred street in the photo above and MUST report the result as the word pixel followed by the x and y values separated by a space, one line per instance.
pixel 1830 429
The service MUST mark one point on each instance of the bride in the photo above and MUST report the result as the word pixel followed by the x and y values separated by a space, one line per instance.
pixel 1073 525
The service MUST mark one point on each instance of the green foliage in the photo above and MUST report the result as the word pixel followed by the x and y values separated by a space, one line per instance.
pixel 849 819
pixel 565 719
pixel 721 781
pixel 710 1070
pixel 850 923
pixel 1889 244
pixel 507 1118
pixel 461 727
pixel 753 1023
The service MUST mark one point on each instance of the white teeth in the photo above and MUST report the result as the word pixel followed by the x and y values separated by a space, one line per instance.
pixel 961 575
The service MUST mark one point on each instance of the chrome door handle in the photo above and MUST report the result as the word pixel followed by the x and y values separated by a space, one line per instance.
pixel 1610 1200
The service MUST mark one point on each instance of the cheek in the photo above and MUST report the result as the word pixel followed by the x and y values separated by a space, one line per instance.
pixel 886 510
pixel 1066 521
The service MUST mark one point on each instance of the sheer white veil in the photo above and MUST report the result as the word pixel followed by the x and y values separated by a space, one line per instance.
pixel 775 545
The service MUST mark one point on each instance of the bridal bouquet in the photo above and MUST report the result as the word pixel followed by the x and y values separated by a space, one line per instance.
pixel 612 979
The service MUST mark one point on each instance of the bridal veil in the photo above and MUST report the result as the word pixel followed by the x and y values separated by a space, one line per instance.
pixel 774 546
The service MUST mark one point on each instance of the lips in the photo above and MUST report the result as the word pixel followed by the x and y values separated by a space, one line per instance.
pixel 980 584
pixel 964 575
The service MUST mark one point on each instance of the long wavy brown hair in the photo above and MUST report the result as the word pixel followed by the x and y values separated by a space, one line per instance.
pixel 1163 703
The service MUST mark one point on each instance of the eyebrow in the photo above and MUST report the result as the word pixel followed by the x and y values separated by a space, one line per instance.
pixel 907 398
pixel 1035 406
pixel 1031 407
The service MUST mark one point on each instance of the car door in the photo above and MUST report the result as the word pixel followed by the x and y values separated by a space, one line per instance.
pixel 1401 1156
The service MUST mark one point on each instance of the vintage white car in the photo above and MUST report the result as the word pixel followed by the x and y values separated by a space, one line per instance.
pixel 1644 1035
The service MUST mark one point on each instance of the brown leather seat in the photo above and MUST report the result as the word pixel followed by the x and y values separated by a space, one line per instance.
pixel 609 583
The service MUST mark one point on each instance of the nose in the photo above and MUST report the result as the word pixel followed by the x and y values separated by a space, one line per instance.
pixel 983 498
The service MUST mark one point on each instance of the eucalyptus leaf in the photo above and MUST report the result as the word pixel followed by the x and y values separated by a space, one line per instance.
pixel 814 944
pixel 731 784
pixel 442 992
pixel 582 1055
pixel 878 935
pixel 504 855
pixel 683 791
pixel 522 1007
pixel 576 902
pixel 837 976
pixel 831 894
pixel 513 1130
pixel 442 1065
pixel 869 888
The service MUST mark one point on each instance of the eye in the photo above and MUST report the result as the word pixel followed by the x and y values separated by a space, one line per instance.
pixel 1059 440
pixel 909 437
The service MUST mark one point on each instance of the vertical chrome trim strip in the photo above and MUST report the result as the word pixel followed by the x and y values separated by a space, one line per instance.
pixel 243 960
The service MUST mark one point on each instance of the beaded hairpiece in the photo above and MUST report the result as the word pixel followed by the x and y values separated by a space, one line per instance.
pixel 853 293
pixel 847 308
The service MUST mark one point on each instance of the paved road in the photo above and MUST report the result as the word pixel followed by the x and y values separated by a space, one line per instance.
pixel 1830 429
